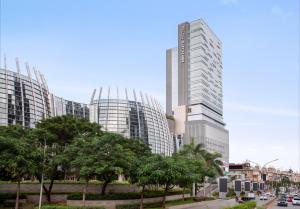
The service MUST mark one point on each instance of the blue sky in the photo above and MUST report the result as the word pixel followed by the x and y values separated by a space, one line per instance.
pixel 82 45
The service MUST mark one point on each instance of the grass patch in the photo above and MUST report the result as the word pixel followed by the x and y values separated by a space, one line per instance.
pixel 246 205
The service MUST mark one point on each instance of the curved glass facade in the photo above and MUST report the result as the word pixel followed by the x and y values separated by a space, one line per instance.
pixel 140 117
pixel 23 100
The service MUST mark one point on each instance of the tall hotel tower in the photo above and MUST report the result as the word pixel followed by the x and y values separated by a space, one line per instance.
pixel 194 89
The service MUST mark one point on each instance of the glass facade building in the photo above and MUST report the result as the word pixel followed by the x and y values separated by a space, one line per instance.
pixel 132 116
pixel 194 88
pixel 25 100
pixel 61 106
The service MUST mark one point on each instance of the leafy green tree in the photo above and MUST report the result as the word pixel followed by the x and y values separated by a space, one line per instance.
pixel 82 155
pixel 58 132
pixel 195 153
pixel 166 171
pixel 192 172
pixel 113 157
pixel 17 155
pixel 140 173
pixel 285 181
pixel 207 164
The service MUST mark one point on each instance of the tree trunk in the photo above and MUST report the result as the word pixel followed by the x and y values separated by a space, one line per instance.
pixel 104 187
pixel 164 198
pixel 84 192
pixel 183 193
pixel 48 191
pixel 18 195
pixel 142 198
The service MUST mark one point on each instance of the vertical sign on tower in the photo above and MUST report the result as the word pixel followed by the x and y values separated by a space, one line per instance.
pixel 183 62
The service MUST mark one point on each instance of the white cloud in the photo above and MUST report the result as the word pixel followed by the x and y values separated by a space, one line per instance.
pixel 262 110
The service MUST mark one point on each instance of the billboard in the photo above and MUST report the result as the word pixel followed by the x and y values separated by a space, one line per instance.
pixel 238 185
pixel 222 184
pixel 255 186
pixel 247 186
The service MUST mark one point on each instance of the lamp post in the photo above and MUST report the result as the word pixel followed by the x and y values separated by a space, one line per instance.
pixel 42 179
pixel 261 169
pixel 266 168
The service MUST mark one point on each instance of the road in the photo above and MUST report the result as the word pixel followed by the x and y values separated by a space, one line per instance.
pixel 215 204
pixel 274 206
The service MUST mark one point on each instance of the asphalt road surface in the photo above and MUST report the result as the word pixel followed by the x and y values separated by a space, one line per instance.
pixel 290 206
pixel 216 204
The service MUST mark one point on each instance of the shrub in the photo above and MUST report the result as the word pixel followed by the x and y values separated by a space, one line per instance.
pixel 230 193
pixel 242 194
pixel 154 204
pixel 10 196
pixel 120 196
pixel 215 194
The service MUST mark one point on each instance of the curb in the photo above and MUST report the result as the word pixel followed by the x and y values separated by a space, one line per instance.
pixel 269 203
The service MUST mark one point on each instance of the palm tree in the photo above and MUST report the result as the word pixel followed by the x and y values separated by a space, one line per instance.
pixel 213 164
pixel 210 161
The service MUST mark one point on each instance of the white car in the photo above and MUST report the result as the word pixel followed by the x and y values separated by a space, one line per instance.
pixel 263 197
pixel 296 201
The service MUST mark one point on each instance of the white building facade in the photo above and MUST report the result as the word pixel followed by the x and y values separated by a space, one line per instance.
pixel 194 86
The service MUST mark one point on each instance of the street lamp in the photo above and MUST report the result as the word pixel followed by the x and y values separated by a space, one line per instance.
pixel 261 169
pixel 267 171
pixel 42 180
pixel 269 162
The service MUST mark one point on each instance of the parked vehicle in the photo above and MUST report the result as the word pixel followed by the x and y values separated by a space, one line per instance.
pixel 296 201
pixel 249 196
pixel 289 198
pixel 282 202
pixel 263 197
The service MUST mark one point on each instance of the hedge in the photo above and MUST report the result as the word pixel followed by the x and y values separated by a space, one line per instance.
pixel 68 207
pixel 121 196
pixel 246 205
pixel 153 204
pixel 10 196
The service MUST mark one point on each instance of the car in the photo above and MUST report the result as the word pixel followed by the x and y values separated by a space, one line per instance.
pixel 296 201
pixel 282 202
pixel 263 197
pixel 289 198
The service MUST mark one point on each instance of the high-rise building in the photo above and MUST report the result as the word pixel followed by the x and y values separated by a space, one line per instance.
pixel 194 88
